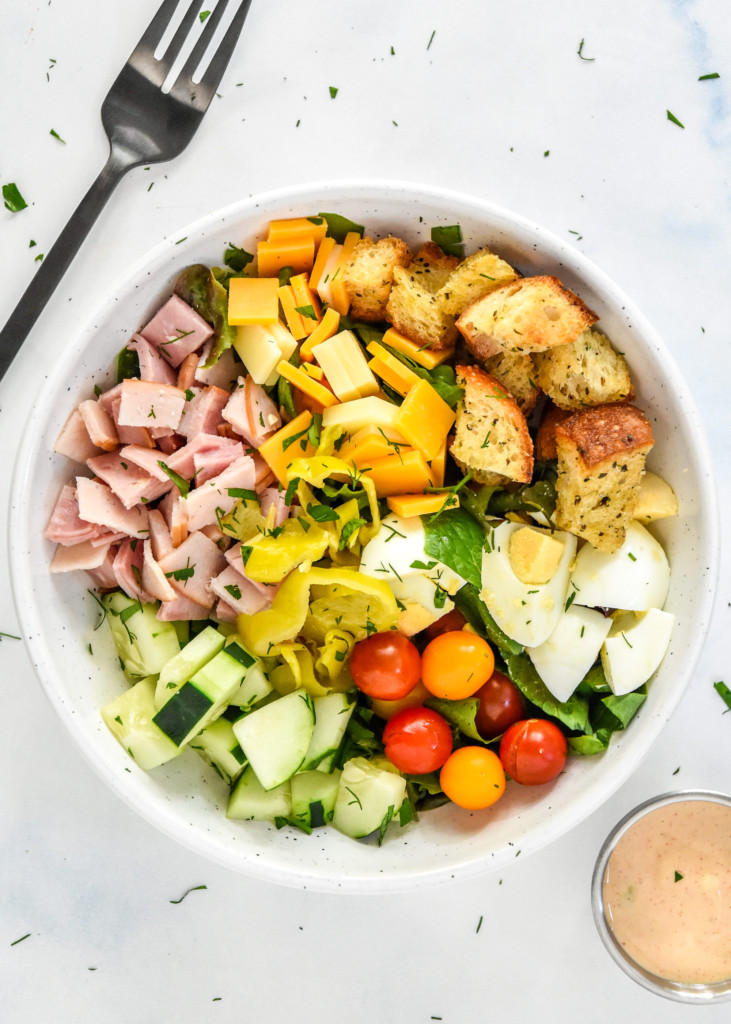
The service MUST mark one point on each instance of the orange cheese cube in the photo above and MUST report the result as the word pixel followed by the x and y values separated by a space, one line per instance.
pixel 424 419
pixel 305 383
pixel 313 371
pixel 305 299
pixel 252 300
pixel 404 473
pixel 340 298
pixel 389 368
pixel 371 443
pixel 296 228
pixel 426 357
pixel 278 453
pixel 420 504
pixel 327 328
pixel 295 320
pixel 324 253
pixel 297 253
pixel 438 466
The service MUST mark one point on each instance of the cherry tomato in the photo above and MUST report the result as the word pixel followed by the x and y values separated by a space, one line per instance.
pixel 417 740
pixel 386 709
pixel 501 704
pixel 456 664
pixel 386 666
pixel 473 778
pixel 449 622
pixel 533 751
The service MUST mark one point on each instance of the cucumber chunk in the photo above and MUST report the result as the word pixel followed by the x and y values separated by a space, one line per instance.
pixel 275 738
pixel 144 644
pixel 251 802
pixel 332 714
pixel 200 650
pixel 129 717
pixel 367 796
pixel 313 797
pixel 202 698
pixel 255 687
pixel 219 748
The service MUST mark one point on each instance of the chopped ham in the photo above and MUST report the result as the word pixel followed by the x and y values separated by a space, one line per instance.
pixel 159 535
pixel 238 592
pixel 153 578
pixel 99 425
pixel 272 496
pixel 268 590
pixel 66 525
pixel 175 512
pixel 152 366
pixel 145 458
pixel 98 504
pixel 264 474
pixel 127 569
pixel 180 610
pixel 129 482
pixel 214 534
pixel 154 406
pixel 186 372
pixel 224 612
pixel 191 567
pixel 169 443
pixel 106 537
pixel 74 441
pixel 202 413
pixel 78 556
pixel 103 575
pixel 218 496
pixel 183 460
pixel 224 371
pixel 177 330
pixel 252 413
pixel 212 462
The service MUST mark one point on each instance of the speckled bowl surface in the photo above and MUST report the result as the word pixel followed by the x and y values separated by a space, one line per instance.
pixel 185 799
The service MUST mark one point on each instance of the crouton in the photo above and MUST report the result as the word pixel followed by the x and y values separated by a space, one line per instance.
pixel 531 314
pixel 491 435
pixel 475 276
pixel 368 275
pixel 415 307
pixel 587 372
pixel 601 459
pixel 546 433
pixel 517 374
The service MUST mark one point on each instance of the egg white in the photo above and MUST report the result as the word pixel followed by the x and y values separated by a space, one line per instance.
pixel 635 577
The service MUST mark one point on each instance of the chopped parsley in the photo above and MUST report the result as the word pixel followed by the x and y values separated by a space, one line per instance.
pixel 580 53
pixel 333 92
pixel 322 513
pixel 236 258
pixel 724 693
pixel 182 485
pixel 57 136
pixel 449 239
pixel 203 15
pixel 195 888
pixel 673 118
pixel 12 198
pixel 706 78
pixel 184 574
pixel 678 877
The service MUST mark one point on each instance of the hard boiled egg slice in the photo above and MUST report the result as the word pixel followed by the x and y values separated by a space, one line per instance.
pixel 634 578
pixel 566 656
pixel 397 551
pixel 634 648
pixel 421 601
pixel 527 611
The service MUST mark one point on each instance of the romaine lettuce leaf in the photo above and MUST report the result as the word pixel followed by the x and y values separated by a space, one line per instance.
pixel 198 286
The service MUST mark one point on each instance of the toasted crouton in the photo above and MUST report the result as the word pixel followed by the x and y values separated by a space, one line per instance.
pixel 475 276
pixel 368 275
pixel 531 314
pixel 546 433
pixel 517 374
pixel 415 307
pixel 587 372
pixel 601 459
pixel 491 435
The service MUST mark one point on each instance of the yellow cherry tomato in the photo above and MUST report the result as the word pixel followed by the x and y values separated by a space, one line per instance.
pixel 473 778
pixel 455 665
pixel 386 709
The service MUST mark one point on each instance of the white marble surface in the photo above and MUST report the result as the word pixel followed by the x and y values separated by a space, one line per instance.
pixel 500 105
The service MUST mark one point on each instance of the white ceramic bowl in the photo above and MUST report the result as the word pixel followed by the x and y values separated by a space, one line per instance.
pixel 181 798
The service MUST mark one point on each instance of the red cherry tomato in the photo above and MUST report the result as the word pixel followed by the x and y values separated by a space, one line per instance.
pixel 456 664
pixel 533 751
pixel 473 778
pixel 386 666
pixel 501 704
pixel 448 623
pixel 417 741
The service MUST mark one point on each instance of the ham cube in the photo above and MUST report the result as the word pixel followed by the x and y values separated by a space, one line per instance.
pixel 154 406
pixel 238 592
pixel 152 365
pixel 252 413
pixel 130 483
pixel 74 441
pixel 186 372
pixel 191 567
pixel 159 535
pixel 210 463
pixel 99 425
pixel 218 496
pixel 267 590
pixel 103 575
pixel 182 609
pixel 127 569
pixel 224 612
pixel 98 504
pixel 203 413
pixel 66 525
pixel 153 578
pixel 177 330
pixel 183 460
pixel 273 497
pixel 78 556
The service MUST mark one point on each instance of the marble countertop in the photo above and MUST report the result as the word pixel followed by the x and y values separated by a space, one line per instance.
pixel 501 101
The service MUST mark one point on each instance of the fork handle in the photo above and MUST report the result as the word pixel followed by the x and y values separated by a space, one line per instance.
pixel 57 260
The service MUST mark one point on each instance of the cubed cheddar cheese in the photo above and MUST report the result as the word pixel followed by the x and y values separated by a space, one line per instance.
pixel 304 299
pixel 324 252
pixel 261 347
pixel 305 383
pixel 314 371
pixel 391 370
pixel 363 412
pixel 425 357
pixel 278 454
pixel 420 504
pixel 404 473
pixel 327 327
pixel 296 229
pixel 345 366
pixel 438 465
pixel 295 320
pixel 340 298
pixel 371 443
pixel 424 419
pixel 252 300
pixel 297 253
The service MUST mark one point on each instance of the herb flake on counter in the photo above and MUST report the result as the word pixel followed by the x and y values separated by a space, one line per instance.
pixel 203 15
pixel 581 54
pixel 10 636
pixel 21 939
pixel 673 118
pixel 678 877
pixel 428 46
pixel 724 693
pixel 479 925
pixel 333 91
pixel 676 770
pixel 57 136
pixel 195 888
pixel 706 78
pixel 12 198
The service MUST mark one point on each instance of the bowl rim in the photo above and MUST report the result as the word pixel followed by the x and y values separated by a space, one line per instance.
pixel 341 189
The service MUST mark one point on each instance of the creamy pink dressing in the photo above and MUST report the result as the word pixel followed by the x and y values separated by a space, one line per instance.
pixel 676 927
